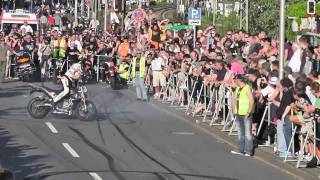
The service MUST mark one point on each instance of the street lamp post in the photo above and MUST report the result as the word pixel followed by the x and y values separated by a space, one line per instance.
pixel 76 12
pixel 282 31
pixel 105 14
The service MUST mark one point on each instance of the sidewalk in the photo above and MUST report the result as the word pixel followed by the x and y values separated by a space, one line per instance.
pixel 263 154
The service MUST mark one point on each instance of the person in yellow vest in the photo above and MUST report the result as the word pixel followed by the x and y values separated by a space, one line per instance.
pixel 139 73
pixel 62 47
pixel 123 72
pixel 242 105
pixel 55 47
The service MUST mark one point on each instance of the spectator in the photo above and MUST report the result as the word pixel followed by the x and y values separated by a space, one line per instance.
pixel 139 74
pixel 242 105
pixel 159 80
pixel 26 28
pixel 284 131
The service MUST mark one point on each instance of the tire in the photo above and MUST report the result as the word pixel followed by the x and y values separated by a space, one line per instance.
pixel 37 113
pixel 112 81
pixel 89 115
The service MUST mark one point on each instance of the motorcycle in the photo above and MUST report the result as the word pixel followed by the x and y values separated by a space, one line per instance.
pixel 88 70
pixel 24 67
pixel 109 71
pixel 76 104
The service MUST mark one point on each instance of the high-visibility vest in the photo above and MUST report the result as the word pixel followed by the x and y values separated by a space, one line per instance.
pixel 123 67
pixel 63 47
pixel 142 68
pixel 242 101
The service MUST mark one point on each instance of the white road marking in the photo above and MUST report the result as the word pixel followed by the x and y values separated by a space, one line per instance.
pixel 71 150
pixel 183 133
pixel 51 127
pixel 95 176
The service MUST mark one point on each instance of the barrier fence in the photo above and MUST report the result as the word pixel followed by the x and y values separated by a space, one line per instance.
pixel 211 103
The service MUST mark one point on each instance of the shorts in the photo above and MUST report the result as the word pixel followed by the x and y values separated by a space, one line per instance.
pixel 158 78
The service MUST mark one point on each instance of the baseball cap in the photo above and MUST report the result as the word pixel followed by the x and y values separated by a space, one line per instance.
pixel 239 77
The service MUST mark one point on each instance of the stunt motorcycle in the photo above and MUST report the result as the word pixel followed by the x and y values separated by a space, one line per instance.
pixel 76 104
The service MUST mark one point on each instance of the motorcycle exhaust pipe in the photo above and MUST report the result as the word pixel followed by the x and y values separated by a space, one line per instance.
pixel 44 105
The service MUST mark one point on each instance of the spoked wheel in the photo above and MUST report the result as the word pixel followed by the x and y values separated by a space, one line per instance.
pixel 36 110
pixel 87 111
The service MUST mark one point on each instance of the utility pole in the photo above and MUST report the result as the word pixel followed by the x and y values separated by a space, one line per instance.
pixel 95 10
pixel 82 7
pixel 214 11
pixel 244 15
pixel 123 3
pixel 282 31
pixel 76 12
pixel 105 14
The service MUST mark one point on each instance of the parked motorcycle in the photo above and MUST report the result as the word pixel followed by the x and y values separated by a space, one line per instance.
pixel 109 71
pixel 24 67
pixel 76 104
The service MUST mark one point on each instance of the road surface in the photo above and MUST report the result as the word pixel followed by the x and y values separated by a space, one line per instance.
pixel 130 140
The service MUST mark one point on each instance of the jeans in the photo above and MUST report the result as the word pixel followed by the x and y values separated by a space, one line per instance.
pixel 284 134
pixel 245 134
pixel 140 87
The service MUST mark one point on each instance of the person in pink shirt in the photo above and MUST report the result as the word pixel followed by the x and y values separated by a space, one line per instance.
pixel 51 20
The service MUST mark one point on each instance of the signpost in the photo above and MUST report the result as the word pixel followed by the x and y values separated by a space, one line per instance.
pixel 194 19
pixel 179 27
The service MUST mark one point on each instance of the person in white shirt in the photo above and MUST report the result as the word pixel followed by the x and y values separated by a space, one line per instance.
pixel 159 80
pixel 76 42
pixel 295 60
pixel 27 28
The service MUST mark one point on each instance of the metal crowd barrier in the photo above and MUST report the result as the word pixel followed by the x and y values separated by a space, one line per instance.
pixel 215 99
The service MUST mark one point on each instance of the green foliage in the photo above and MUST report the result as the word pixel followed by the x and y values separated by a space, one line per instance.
pixel 230 23
pixel 264 16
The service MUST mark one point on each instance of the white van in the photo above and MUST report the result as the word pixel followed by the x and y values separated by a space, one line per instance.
pixel 18 16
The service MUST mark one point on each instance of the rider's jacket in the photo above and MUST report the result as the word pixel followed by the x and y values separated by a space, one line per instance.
pixel 70 73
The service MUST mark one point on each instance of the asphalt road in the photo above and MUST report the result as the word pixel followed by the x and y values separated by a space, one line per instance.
pixel 130 140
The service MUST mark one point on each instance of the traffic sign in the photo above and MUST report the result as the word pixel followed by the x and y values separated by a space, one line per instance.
pixel 178 27
pixel 194 16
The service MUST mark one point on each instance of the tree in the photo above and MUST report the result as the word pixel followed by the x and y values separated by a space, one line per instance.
pixel 264 16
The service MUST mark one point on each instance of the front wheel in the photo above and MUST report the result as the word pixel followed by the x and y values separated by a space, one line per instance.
pixel 87 111
pixel 36 110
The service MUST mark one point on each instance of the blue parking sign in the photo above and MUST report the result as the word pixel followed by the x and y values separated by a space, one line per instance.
pixel 194 16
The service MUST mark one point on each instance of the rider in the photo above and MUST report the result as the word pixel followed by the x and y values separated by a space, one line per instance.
pixel 72 75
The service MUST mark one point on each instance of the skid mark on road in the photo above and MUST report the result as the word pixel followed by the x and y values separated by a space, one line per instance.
pixel 143 152
pixel 106 155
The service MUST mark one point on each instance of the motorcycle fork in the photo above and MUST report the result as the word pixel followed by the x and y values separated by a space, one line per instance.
pixel 83 99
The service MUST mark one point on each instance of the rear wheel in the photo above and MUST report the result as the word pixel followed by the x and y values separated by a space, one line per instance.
pixel 87 111
pixel 36 110
pixel 112 82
